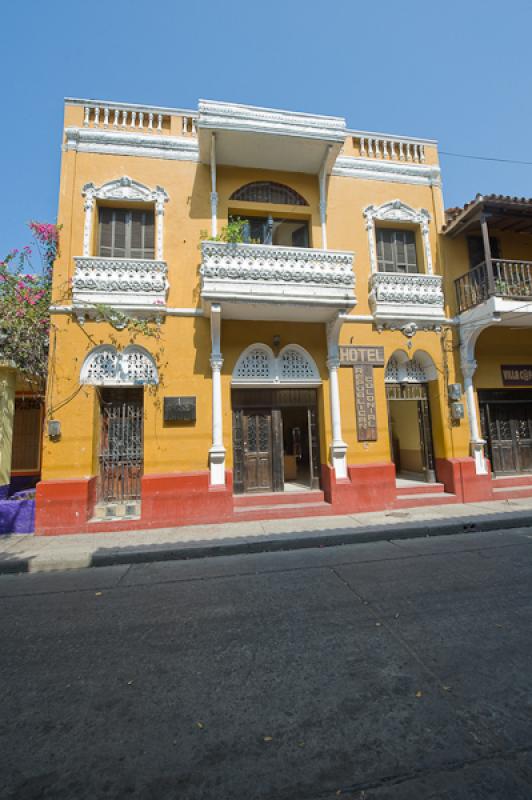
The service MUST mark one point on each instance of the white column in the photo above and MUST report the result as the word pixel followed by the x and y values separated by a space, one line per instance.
pixel 88 192
pixel 338 454
pixel 214 194
pixel 370 228
pixel 217 451
pixel 338 446
pixel 476 443
pixel 323 199
pixel 159 214
pixel 426 244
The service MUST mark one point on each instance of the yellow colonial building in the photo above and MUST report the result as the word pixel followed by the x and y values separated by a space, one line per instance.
pixel 249 321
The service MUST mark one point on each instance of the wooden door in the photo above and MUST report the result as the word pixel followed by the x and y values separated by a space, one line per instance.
pixel 522 435
pixel 257 436
pixel 425 435
pixel 501 437
pixel 313 448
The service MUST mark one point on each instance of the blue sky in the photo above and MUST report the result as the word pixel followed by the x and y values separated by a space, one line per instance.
pixel 458 71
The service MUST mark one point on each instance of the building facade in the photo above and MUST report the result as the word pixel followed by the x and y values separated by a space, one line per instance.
pixel 254 315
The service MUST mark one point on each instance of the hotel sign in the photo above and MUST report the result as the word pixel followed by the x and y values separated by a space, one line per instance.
pixel 362 359
pixel 516 374
pixel 353 355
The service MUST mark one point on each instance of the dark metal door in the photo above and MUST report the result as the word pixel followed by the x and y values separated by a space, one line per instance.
pixel 257 435
pixel 425 432
pixel 121 445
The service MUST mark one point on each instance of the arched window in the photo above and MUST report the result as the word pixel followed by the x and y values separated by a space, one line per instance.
pixel 401 369
pixel 269 192
pixel 107 366
pixel 258 365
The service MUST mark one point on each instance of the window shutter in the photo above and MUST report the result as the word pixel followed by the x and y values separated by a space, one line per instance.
pixel 149 235
pixel 120 231
pixel 385 250
pixel 106 232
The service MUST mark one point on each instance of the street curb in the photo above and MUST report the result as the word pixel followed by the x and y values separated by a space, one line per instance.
pixel 274 543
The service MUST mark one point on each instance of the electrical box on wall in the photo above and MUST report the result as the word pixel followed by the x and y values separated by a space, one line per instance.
pixel 457 410
pixel 455 391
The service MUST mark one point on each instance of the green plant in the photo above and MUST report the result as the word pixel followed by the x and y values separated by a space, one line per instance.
pixel 233 233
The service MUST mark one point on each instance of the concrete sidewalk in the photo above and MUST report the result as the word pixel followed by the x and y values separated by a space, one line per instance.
pixel 28 553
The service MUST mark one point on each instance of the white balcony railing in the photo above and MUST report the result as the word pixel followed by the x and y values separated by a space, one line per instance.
pixel 412 296
pixel 385 147
pixel 258 273
pixel 138 119
pixel 131 283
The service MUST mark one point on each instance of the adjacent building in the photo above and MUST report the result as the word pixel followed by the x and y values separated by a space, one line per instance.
pixel 264 313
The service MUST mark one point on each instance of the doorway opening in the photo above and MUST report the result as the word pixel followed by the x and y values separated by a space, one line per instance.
pixel 275 440
pixel 121 454
pixel 506 423
pixel 411 431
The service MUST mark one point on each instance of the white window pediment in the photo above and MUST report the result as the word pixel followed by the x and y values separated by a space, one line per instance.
pixel 397 211
pixel 259 365
pixel 123 189
pixel 107 366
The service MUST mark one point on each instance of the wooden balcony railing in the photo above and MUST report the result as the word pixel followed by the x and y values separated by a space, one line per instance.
pixel 509 278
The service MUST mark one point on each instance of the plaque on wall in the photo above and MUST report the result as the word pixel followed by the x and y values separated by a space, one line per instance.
pixel 180 409
pixel 516 374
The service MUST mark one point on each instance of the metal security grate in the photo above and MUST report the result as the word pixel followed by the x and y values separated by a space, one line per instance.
pixel 121 446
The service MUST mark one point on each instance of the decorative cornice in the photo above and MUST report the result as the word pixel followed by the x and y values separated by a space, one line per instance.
pixel 232 116
pixel 94 140
pixel 397 211
pixel 383 170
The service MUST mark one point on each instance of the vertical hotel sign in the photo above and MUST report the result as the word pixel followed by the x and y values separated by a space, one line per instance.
pixel 363 360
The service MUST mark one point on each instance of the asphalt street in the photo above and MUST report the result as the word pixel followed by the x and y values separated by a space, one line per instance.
pixel 378 671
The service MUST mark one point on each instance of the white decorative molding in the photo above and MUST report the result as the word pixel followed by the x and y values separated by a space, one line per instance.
pixel 397 211
pixel 258 366
pixel 397 296
pixel 277 277
pixel 126 189
pixel 402 369
pixel 119 282
pixel 270 263
pixel 338 450
pixel 107 366
pixel 389 171
pixel 96 140
pixel 236 117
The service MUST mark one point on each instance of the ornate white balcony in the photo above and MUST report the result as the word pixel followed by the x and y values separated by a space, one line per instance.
pixel 397 298
pixel 257 281
pixel 127 284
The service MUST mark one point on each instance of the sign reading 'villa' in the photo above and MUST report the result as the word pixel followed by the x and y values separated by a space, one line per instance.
pixel 516 374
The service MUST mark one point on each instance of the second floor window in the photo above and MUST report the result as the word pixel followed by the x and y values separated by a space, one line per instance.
pixel 126 233
pixel 396 250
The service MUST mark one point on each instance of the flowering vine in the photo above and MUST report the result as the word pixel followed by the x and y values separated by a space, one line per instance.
pixel 25 294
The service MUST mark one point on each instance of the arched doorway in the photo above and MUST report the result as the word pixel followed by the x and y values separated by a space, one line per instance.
pixel 275 420
pixel 409 414
pixel 119 377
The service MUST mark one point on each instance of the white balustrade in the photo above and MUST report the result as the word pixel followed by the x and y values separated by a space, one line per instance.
pixel 119 282
pixel 132 119
pixel 391 149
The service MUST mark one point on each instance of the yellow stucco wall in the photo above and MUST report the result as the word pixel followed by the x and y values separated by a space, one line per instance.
pixel 183 346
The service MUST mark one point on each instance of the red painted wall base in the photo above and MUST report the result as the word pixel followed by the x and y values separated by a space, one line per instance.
pixel 459 477
pixel 369 487
pixel 167 501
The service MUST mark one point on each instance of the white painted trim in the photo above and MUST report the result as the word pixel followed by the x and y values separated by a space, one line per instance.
pixel 95 140
pixel 373 169
pixel 256 119
pixel 275 377
pixel 168 312
pixel 178 112
pixel 119 368
pixel 338 452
